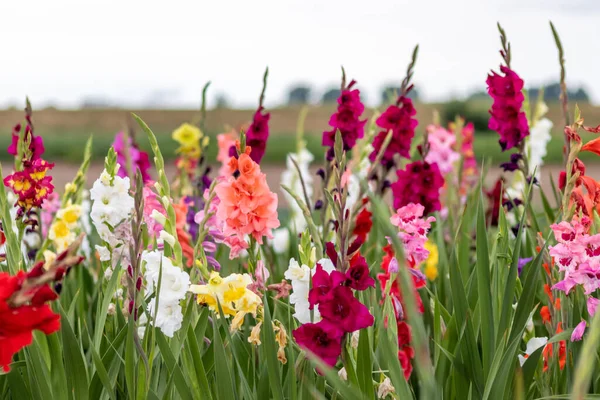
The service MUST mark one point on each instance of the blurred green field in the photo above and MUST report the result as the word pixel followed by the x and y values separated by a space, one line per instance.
pixel 65 132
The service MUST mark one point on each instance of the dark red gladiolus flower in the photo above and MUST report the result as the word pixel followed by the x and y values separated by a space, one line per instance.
pixel 258 134
pixel 347 120
pixel 331 253
pixel 404 334
pixel 496 198
pixel 419 183
pixel 18 323
pixel 322 284
pixel 399 119
pixel 506 116
pixel 322 339
pixel 363 224
pixel 345 311
pixel 358 277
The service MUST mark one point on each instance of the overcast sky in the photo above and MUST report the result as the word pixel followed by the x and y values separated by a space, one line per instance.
pixel 61 51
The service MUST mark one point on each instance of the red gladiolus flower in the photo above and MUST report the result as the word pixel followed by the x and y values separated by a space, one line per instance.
pixel 405 355
pixel 343 310
pixel 258 134
pixel 358 277
pixel 323 339
pixel 398 119
pixel 404 334
pixel 419 183
pixel 545 314
pixel 18 323
pixel 322 284
pixel 347 120
pixel 363 224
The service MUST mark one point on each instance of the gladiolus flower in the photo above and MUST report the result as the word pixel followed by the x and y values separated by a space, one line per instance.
pixel 258 134
pixel 419 183
pixel 578 331
pixel 322 339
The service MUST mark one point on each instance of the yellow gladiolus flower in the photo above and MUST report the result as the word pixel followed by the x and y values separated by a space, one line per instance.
pixel 431 269
pixel 69 215
pixel 231 293
pixel 61 235
pixel 187 135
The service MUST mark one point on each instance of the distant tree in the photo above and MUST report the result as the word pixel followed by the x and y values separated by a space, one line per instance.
pixel 552 93
pixel 95 102
pixel 478 95
pixel 222 101
pixel 330 96
pixel 390 93
pixel 299 94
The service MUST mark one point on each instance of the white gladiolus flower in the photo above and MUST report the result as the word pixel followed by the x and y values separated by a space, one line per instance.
pixel 174 284
pixel 168 317
pixel 538 142
pixel 297 272
pixel 103 252
pixel 532 345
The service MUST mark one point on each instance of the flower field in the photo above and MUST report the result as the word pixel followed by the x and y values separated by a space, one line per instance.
pixel 395 271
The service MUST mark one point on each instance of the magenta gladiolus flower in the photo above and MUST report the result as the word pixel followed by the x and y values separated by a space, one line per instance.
pixel 578 332
pixel 258 134
pixel 322 339
pixel 399 119
pixel 419 183
pixel 347 120
pixel 506 116
pixel 345 311
pixel 322 284
pixel 137 158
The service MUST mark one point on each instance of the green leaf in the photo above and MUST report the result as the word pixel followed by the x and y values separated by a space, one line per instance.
pixel 270 351
pixel 224 379
pixel 76 366
pixel 174 369
pixel 484 287
pixel 364 365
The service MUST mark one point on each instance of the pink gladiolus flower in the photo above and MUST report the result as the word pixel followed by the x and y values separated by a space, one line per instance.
pixel 225 142
pixel 413 230
pixel 592 304
pixel 441 152
pixel 578 332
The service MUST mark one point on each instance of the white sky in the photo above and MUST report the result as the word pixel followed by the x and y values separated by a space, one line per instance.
pixel 60 51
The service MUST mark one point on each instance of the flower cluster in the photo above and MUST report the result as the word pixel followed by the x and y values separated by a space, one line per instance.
pixel 347 120
pixel 397 118
pixel 246 205
pixel 174 284
pixel 300 277
pixel 231 294
pixel 129 155
pixel 506 116
pixel 340 310
pixel 420 183
pixel 413 230
pixel 31 185
pixel 191 141
pixel 441 148
pixel 258 133
pixel 112 206
pixel 62 229
pixel 577 255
